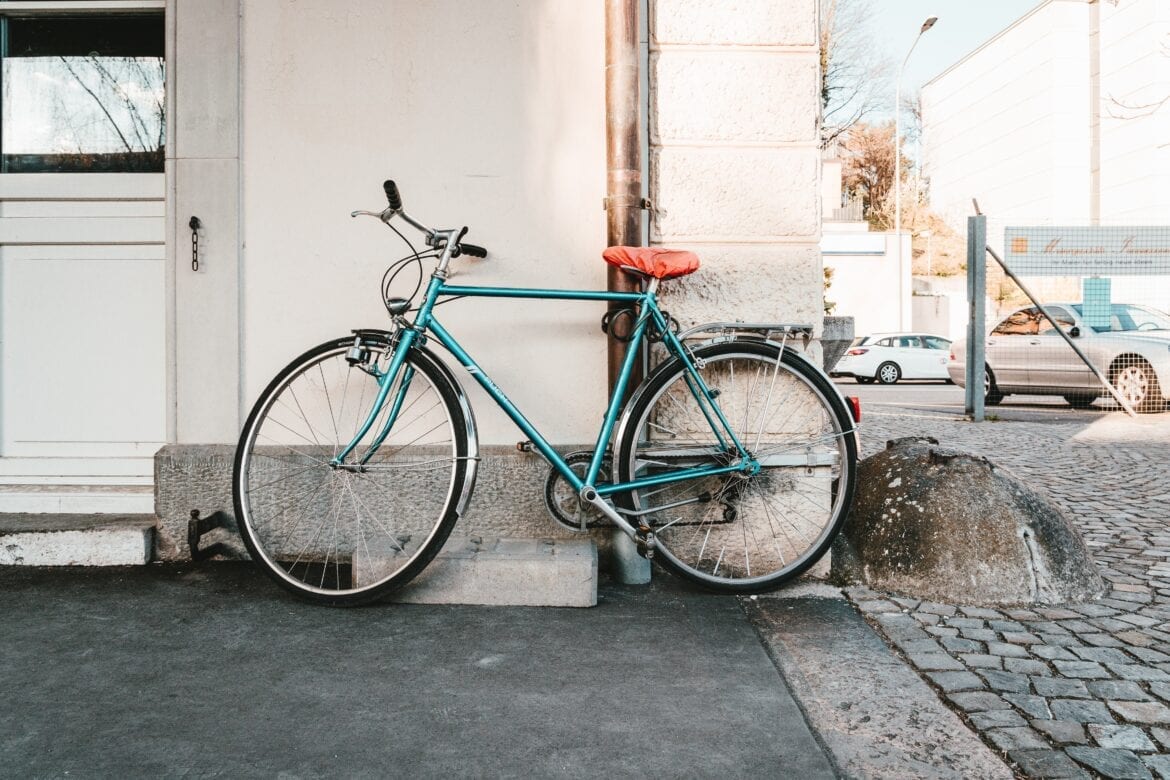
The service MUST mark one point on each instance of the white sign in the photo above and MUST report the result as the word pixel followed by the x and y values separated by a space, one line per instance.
pixel 1087 251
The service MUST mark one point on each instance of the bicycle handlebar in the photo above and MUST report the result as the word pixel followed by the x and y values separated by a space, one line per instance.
pixel 392 196
pixel 435 238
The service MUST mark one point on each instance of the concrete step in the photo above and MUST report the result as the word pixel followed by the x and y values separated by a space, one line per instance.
pixel 508 572
pixel 76 539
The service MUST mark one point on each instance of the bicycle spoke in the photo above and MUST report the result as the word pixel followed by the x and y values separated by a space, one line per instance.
pixel 344 535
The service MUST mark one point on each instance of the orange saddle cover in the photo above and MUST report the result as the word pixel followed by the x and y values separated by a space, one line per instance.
pixel 656 261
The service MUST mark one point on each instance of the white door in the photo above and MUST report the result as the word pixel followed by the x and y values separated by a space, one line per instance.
pixel 82 255
pixel 82 341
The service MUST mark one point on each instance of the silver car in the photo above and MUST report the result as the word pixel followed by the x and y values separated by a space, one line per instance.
pixel 1026 355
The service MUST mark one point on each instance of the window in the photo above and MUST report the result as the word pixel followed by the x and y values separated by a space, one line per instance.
pixel 1062 317
pixel 935 342
pixel 82 93
pixel 1025 322
pixel 909 342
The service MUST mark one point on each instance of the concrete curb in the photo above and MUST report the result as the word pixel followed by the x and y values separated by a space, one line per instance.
pixel 875 717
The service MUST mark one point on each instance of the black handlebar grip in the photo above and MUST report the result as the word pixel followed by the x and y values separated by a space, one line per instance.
pixel 473 250
pixel 392 195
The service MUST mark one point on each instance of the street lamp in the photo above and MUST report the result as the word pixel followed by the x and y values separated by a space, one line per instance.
pixel 898 148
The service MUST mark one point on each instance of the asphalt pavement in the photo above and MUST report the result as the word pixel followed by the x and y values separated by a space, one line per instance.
pixel 940 399
pixel 211 671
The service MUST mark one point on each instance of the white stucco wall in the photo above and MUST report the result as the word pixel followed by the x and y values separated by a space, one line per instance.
pixel 867 283
pixel 1009 124
pixel 1135 142
pixel 1013 123
pixel 489 114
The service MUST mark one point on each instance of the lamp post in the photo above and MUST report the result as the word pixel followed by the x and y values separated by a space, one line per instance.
pixel 898 151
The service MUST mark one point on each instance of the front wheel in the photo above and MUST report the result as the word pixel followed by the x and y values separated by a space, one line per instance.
pixel 1137 383
pixel 347 534
pixel 740 532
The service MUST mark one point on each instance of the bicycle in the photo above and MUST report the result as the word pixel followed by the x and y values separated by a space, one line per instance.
pixel 733 463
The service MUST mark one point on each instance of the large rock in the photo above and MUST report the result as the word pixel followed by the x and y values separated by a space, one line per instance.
pixel 944 525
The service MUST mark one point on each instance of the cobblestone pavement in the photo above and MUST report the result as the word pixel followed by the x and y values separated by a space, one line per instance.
pixel 1079 690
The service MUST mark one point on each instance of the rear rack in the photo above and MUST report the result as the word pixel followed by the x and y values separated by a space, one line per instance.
pixel 769 331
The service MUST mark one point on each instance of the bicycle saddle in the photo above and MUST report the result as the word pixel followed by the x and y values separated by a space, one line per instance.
pixel 655 261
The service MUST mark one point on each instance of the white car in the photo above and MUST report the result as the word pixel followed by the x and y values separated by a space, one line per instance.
pixel 1026 355
pixel 888 357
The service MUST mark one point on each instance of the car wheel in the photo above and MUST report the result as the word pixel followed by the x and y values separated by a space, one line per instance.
pixel 864 380
pixel 1080 401
pixel 888 373
pixel 1138 385
pixel 991 394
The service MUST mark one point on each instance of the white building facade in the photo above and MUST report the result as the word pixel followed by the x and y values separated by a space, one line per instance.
pixel 1060 119
pixel 281 117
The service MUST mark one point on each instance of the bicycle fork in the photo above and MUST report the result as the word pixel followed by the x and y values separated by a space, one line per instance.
pixel 386 382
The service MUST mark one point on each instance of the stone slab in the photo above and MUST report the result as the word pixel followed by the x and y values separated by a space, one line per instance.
pixel 76 540
pixel 508 572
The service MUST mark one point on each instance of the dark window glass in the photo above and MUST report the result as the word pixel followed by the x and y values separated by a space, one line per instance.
pixel 83 94
pixel 935 342
pixel 1060 315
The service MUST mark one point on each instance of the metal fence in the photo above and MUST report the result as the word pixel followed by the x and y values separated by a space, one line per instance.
pixel 1068 313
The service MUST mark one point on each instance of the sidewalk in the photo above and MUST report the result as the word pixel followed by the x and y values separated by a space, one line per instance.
pixel 208 670
pixel 166 671
pixel 1062 689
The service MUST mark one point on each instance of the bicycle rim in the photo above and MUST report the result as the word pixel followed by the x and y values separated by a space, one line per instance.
pixel 349 535
pixel 742 533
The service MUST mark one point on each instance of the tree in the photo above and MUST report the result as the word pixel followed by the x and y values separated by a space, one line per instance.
pixel 867 169
pixel 854 73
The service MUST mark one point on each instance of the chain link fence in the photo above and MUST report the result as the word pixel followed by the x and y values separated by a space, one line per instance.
pixel 1073 312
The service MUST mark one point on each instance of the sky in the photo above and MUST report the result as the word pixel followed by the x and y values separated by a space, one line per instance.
pixel 963 25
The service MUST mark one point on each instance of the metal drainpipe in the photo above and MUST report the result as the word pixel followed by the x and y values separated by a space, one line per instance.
pixel 623 153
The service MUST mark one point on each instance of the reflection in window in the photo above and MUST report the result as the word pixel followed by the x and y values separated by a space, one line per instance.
pixel 1060 315
pixel 1022 323
pixel 82 94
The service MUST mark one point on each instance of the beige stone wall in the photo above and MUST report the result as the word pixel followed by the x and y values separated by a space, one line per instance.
pixel 734 159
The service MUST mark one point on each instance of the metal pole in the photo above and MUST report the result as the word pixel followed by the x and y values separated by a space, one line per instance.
pixel 623 205
pixel 976 357
pixel 898 164
pixel 623 140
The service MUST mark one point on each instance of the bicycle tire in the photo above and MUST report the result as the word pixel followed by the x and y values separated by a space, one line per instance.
pixel 339 536
pixel 767 528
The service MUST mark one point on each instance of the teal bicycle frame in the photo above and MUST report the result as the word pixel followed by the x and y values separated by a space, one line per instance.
pixel 411 334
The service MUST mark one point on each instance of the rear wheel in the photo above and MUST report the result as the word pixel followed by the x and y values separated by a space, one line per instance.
pixel 740 532
pixel 991 394
pixel 346 535
pixel 888 373
pixel 1080 401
